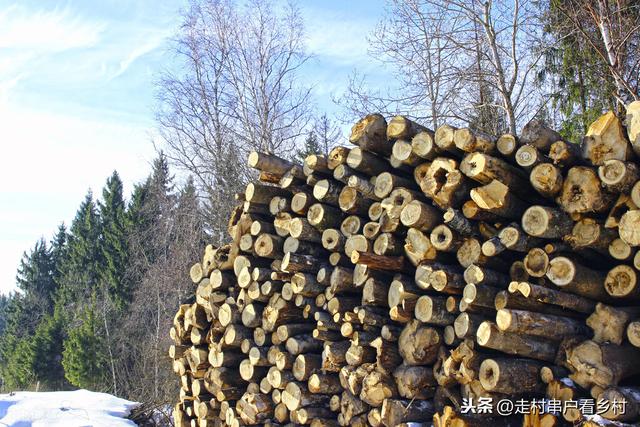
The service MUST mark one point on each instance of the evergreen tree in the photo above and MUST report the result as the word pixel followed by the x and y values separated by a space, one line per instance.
pixel 80 271
pixel 113 242
pixel 311 146
pixel 36 282
pixel 83 357
pixel 45 356
pixel 582 89
pixel 58 252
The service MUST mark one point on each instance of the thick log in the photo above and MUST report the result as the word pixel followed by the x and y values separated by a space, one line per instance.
pixel 622 282
pixel 396 411
pixel 629 227
pixel 296 396
pixel 488 335
pixel 262 194
pixel 619 411
pixel 351 225
pixel 545 222
pixel 618 176
pixel 609 324
pixel 388 244
pixel 507 145
pixel 589 233
pixel 366 162
pixel 350 202
pixel 496 198
pixel 484 169
pixel 445 238
pixel 582 192
pixel 546 179
pixel 419 215
pixel 370 133
pixel 333 240
pixel 470 141
pixel 538 134
pixel 443 182
pixel 300 202
pixel 386 182
pixel 577 279
pixel 337 156
pixel 376 387
pixel 511 376
pixel 423 145
pixel 618 249
pixel 556 297
pixel 604 365
pixel 327 191
pixel 301 229
pixel 419 344
pixel 538 324
pixel 432 310
pixel 444 139
pixel 529 156
pixel 324 216
pixel 605 140
pixel 268 163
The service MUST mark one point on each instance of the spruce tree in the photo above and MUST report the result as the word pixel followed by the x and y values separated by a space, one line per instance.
pixel 83 357
pixel 35 279
pixel 80 269
pixel 113 243
pixel 311 146
pixel 45 356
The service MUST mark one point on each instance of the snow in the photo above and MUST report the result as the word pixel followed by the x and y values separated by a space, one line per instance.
pixel 80 408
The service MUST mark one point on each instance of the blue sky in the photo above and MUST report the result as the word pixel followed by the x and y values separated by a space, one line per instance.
pixel 77 98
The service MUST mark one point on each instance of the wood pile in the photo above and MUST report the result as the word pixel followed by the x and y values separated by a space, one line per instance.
pixel 397 280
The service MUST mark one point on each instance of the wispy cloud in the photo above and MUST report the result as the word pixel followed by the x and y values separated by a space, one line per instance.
pixel 54 30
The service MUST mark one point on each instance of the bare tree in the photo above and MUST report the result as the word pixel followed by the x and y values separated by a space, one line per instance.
pixel 327 132
pixel 237 91
pixel 412 41
pixel 455 57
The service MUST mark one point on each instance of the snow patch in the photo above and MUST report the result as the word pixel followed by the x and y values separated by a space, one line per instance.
pixel 80 408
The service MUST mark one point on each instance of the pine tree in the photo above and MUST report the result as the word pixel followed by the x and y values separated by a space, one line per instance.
pixel 113 243
pixel 83 357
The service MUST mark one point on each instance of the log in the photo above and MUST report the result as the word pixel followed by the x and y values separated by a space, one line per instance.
pixel 470 141
pixel 622 282
pixel 538 324
pixel 366 162
pixel 629 228
pixel 370 133
pixel 582 192
pixel 624 403
pixel 432 310
pixel 396 411
pixel 507 145
pixel 538 134
pixel 488 335
pixel 618 176
pixel 547 223
pixel 604 365
pixel 419 344
pixel 609 324
pixel 423 145
pixel 511 376
pixel 551 296
pixel 444 139
pixel 484 169
pixel 528 156
pixel 337 156
pixel 577 279
pixel 269 163
pixel 546 179
pixel 379 262
pixel 606 140
pixel 496 198
pixel 419 215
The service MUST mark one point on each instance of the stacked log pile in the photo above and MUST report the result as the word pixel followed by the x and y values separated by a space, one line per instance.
pixel 397 280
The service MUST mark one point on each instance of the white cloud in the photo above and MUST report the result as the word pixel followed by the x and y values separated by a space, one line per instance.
pixel 54 30
pixel 333 36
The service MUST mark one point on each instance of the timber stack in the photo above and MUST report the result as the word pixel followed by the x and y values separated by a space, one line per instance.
pixel 396 280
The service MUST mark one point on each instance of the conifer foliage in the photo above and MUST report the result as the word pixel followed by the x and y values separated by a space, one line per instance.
pixel 92 305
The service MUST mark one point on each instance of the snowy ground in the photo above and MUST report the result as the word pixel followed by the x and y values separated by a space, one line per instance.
pixel 80 408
